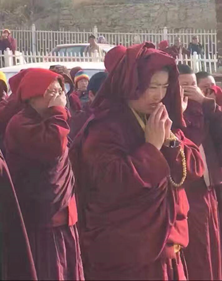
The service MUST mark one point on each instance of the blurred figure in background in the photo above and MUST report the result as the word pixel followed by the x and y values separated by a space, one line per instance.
pixel 177 49
pixel 163 45
pixel 80 117
pixel 93 47
pixel 80 96
pixel 195 46
pixel 7 41
pixel 102 40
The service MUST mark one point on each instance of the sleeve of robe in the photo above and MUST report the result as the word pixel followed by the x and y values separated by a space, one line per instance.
pixel 213 115
pixel 45 140
pixel 194 163
pixel 17 261
pixel 146 167
pixel 9 106
pixel 121 177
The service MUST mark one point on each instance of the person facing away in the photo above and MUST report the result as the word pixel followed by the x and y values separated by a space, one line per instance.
pixel 93 47
pixel 79 98
pixel 195 46
pixel 7 41
pixel 37 155
pixel 132 206
pixel 177 49
pixel 204 128
pixel 80 117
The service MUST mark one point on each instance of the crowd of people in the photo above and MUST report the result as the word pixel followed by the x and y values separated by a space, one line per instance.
pixel 113 177
pixel 178 49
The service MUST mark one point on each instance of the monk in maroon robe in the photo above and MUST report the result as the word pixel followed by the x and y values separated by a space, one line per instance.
pixel 16 257
pixel 37 155
pixel 204 128
pixel 130 170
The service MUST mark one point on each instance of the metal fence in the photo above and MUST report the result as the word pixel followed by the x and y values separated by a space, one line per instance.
pixel 44 41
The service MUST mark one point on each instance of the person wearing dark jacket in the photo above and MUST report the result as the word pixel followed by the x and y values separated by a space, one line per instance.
pixel 195 46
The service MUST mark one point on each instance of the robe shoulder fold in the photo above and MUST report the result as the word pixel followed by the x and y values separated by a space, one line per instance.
pixel 40 139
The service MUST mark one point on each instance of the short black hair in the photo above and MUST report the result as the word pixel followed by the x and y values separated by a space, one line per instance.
pixel 185 69
pixel 92 36
pixel 201 75
pixel 96 82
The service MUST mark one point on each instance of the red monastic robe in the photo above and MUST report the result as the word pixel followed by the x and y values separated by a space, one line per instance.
pixel 131 217
pixel 203 254
pixel 17 261
pixel 37 156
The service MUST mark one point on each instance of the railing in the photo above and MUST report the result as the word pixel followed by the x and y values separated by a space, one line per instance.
pixel 20 58
pixel 197 62
pixel 200 62
pixel 45 41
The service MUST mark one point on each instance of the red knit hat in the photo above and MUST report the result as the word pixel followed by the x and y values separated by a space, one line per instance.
pixel 15 81
pixel 113 57
pixel 36 82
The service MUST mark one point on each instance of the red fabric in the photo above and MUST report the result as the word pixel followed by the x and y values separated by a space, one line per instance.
pixel 203 254
pixel 218 93
pixel 10 105
pixel 56 253
pixel 75 103
pixel 35 82
pixel 43 142
pixel 174 51
pixel 37 156
pixel 113 57
pixel 130 78
pixel 17 260
pixel 128 211
pixel 163 45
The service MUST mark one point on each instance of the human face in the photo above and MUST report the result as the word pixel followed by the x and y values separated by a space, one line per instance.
pixel 5 35
pixel 92 41
pixel 206 83
pixel 82 85
pixel 153 95
pixel 187 80
pixel 195 40
pixel 41 103
pixel 177 42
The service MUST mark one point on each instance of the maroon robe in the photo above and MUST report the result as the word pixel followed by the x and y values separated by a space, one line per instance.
pixel 130 215
pixel 37 156
pixel 17 261
pixel 174 51
pixel 203 254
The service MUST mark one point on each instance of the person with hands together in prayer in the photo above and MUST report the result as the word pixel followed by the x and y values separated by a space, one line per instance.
pixel 203 126
pixel 37 156
pixel 131 161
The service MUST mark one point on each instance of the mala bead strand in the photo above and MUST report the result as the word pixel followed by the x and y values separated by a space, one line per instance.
pixel 184 166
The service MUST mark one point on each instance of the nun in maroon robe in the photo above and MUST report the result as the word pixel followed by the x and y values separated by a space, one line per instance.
pixel 132 217
pixel 16 257
pixel 203 254
pixel 37 155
